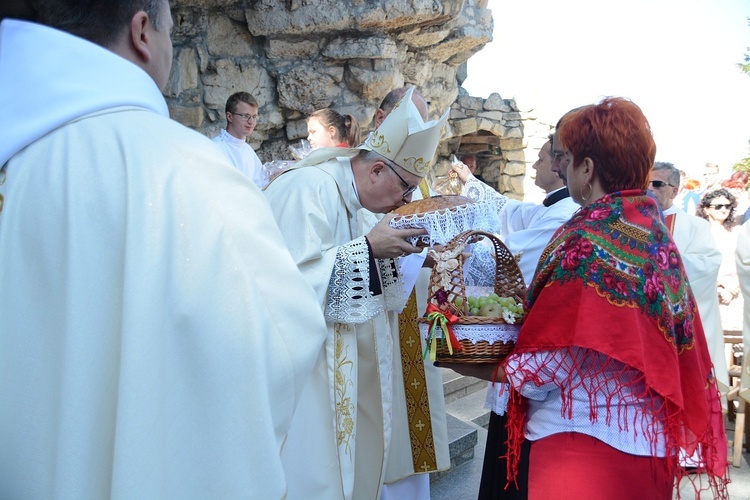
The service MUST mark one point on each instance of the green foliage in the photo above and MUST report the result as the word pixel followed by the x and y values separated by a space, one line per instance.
pixel 742 166
pixel 745 67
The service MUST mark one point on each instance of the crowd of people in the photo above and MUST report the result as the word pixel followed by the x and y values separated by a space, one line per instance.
pixel 169 330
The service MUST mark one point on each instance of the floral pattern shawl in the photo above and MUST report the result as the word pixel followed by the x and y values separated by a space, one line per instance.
pixel 611 281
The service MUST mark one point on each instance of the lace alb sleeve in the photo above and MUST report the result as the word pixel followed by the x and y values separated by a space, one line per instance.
pixel 394 290
pixel 349 297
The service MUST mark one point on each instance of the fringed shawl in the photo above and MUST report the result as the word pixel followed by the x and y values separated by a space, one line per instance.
pixel 611 281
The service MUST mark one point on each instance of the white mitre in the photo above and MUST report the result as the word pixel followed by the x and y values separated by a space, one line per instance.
pixel 406 139
pixel 403 137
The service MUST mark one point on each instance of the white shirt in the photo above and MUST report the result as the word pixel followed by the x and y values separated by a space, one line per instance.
pixel 242 155
pixel 618 421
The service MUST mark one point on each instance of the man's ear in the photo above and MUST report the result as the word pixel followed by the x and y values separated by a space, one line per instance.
pixel 139 36
pixel 376 170
pixel 379 117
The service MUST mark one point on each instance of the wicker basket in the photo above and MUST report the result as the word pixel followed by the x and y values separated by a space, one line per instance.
pixel 447 284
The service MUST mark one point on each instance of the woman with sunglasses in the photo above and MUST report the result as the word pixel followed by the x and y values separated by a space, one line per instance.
pixel 719 208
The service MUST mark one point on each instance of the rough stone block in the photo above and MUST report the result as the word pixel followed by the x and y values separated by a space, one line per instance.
pixel 371 47
pixel 496 103
pixel 465 126
pixel 515 168
pixel 306 90
pixel 296 129
pixel 226 38
pixel 469 102
pixel 184 72
pixel 515 155
pixel 285 49
pixel 506 144
pixel 491 115
pixel 190 116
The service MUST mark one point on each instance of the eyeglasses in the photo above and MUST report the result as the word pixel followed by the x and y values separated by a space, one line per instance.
pixel 246 117
pixel 720 206
pixel 409 189
pixel 660 184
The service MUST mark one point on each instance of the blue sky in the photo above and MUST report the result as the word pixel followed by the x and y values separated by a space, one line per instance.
pixel 676 59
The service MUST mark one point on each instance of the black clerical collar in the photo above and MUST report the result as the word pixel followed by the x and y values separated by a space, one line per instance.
pixel 556 196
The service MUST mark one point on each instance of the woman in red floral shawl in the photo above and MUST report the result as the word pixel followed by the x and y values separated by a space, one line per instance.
pixel 611 374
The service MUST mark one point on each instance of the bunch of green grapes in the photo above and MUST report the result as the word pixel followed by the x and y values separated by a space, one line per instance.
pixel 491 305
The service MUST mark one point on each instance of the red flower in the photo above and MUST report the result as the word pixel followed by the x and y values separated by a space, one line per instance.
pixel 653 288
pixel 662 258
pixel 599 213
pixel 674 259
pixel 574 250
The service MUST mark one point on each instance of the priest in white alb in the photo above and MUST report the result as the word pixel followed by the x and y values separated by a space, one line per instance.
pixel 146 348
pixel 701 258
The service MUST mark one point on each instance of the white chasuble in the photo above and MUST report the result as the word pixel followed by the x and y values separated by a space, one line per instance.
pixel 316 208
pixel 146 347
pixel 702 259
pixel 742 259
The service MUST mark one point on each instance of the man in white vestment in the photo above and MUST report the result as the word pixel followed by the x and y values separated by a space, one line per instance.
pixel 146 347
pixel 701 258
pixel 526 230
pixel 318 206
pixel 419 429
pixel 241 112
pixel 742 259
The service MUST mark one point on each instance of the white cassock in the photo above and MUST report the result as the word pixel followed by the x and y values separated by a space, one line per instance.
pixel 743 272
pixel 339 438
pixel 146 347
pixel 242 156
pixel 702 260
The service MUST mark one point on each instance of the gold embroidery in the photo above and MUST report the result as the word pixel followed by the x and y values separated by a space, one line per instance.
pixel 417 164
pixel 415 390
pixel 378 142
pixel 631 231
pixel 342 384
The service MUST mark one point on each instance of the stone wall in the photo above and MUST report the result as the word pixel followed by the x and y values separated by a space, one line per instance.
pixel 296 56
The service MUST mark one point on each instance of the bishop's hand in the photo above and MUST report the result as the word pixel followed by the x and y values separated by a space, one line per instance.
pixel 388 242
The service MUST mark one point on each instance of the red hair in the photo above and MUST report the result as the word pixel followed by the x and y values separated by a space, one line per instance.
pixel 738 180
pixel 617 137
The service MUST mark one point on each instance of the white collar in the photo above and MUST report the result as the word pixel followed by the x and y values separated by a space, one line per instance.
pixel 553 192
pixel 227 137
pixel 41 89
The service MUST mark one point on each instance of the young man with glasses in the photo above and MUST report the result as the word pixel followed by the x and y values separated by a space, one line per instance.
pixel 242 117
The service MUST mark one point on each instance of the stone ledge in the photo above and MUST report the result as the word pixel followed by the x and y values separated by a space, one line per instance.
pixel 462 438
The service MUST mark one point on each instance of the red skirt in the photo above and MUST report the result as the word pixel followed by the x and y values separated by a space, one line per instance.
pixel 577 466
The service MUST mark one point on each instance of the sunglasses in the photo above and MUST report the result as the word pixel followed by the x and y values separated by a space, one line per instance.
pixel 659 184
pixel 719 206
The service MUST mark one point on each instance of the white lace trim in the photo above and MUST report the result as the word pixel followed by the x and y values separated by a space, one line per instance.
pixel 349 297
pixel 497 396
pixel 491 333
pixel 479 268
pixel 393 287
pixel 443 225
pixel 481 192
